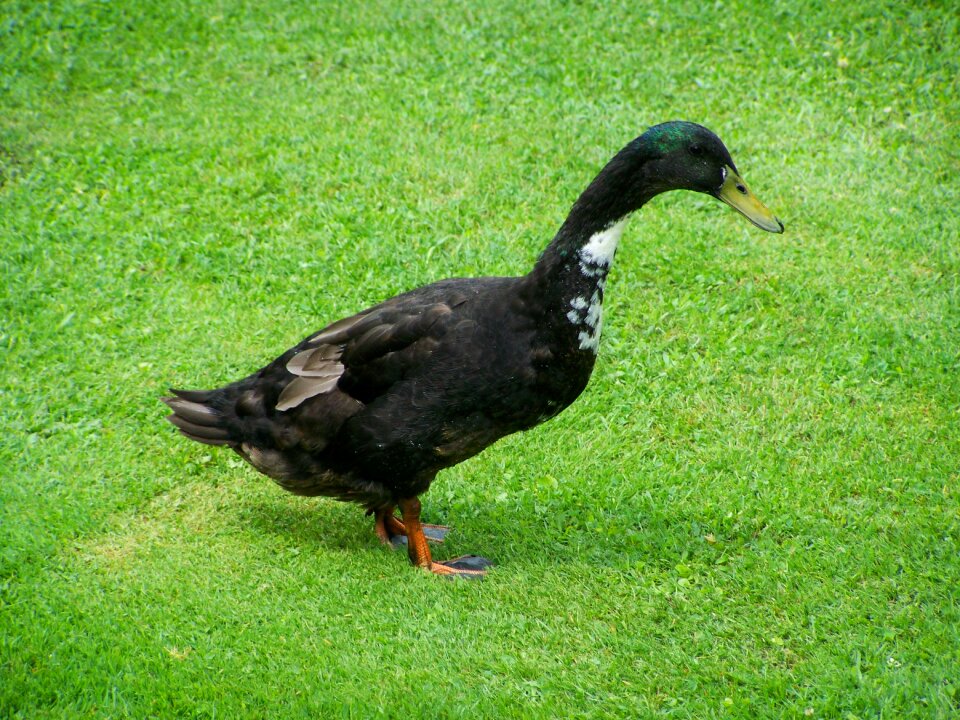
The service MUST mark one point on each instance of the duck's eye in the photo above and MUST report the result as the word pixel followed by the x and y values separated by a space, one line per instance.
pixel 696 150
pixel 742 188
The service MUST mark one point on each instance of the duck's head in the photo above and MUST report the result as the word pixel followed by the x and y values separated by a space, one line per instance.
pixel 685 156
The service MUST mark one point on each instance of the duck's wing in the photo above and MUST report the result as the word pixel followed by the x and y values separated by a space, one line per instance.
pixel 364 355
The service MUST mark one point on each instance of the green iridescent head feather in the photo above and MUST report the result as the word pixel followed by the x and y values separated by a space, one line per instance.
pixel 676 135
pixel 670 136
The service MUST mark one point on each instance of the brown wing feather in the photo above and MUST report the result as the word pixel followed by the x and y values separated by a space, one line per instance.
pixel 370 350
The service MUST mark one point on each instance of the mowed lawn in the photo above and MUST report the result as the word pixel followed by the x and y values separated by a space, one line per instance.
pixel 752 512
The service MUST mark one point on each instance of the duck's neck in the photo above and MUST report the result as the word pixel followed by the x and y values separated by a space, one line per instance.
pixel 571 274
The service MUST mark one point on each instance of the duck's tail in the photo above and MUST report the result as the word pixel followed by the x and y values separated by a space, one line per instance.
pixel 197 418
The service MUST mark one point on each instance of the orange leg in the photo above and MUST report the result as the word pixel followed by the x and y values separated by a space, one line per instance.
pixel 394 526
pixel 467 566
pixel 380 525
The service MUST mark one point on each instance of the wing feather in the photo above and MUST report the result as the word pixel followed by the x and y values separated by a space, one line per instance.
pixel 366 353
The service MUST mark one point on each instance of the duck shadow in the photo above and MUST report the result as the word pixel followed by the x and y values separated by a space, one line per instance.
pixel 314 522
pixel 515 537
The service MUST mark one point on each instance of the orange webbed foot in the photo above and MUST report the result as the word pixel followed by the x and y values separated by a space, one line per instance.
pixel 470 567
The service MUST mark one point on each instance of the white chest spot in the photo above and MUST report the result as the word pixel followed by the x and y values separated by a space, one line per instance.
pixel 594 316
pixel 593 321
pixel 589 316
pixel 590 340
pixel 576 315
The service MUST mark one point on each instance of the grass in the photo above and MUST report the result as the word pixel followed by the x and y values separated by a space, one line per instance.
pixel 753 511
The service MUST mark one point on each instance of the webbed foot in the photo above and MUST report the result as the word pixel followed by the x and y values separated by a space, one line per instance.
pixel 471 567
pixel 468 567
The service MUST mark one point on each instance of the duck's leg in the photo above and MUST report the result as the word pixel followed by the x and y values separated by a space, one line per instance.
pixel 466 566
pixel 380 526
pixel 392 532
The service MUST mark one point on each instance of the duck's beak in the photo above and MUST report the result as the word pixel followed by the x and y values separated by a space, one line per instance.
pixel 735 193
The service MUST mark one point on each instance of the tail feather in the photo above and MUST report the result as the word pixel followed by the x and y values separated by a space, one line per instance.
pixel 197 420
pixel 198 396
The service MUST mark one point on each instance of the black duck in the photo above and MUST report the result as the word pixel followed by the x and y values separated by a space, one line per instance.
pixel 371 408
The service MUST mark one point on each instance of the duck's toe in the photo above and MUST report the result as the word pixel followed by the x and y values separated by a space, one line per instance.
pixel 469 567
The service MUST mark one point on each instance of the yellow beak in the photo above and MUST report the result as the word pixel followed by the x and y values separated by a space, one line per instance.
pixel 735 193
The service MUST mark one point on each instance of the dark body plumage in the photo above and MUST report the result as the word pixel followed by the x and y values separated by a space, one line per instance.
pixel 429 378
pixel 370 408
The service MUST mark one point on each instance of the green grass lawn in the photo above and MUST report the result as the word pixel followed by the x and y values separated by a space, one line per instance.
pixel 753 511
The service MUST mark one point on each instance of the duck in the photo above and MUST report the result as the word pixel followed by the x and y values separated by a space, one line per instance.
pixel 372 407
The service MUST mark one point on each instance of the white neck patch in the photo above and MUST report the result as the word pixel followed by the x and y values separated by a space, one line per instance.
pixel 596 255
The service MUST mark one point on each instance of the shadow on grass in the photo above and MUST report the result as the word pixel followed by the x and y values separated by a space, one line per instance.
pixel 510 535
pixel 314 522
